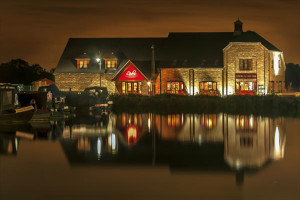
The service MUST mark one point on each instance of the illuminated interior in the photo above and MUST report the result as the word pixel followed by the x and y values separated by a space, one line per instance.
pixel 131 87
pixel 246 88
pixel 175 87
pixel 208 88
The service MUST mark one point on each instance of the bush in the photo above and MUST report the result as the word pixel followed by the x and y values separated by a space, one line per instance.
pixel 167 103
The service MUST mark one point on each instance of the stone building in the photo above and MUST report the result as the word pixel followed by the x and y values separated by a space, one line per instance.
pixel 211 63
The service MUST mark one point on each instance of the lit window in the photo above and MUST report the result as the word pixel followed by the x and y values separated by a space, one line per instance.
pixel 208 87
pixel 175 87
pixel 131 87
pixel 245 64
pixel 245 88
pixel 110 64
pixel 82 64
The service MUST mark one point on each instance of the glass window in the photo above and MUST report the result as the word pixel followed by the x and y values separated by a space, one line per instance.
pixel 110 64
pixel 208 87
pixel 135 86
pixel 175 87
pixel 214 86
pixel 128 87
pixel 140 86
pixel 82 64
pixel 245 64
pixel 123 87
pixel 131 87
pixel 201 86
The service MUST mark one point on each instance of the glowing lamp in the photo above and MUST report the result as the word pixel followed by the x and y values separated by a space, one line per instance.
pixel 98 60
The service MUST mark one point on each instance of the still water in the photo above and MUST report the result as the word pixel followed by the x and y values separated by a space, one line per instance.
pixel 150 156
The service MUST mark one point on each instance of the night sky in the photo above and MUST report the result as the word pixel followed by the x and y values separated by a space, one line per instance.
pixel 38 30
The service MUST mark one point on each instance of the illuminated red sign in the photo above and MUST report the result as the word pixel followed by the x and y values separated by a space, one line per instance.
pixel 250 76
pixel 131 73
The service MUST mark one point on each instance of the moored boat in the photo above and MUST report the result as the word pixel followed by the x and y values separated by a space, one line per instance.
pixel 8 107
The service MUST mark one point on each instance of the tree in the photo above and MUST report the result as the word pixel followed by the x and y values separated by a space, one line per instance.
pixel 292 76
pixel 20 72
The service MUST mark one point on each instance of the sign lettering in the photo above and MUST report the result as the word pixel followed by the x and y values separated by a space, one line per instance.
pixel 131 73
pixel 245 76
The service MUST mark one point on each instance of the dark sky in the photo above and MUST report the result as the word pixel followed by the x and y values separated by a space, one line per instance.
pixel 38 30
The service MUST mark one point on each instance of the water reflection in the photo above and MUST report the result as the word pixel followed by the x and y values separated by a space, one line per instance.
pixel 236 144
pixel 9 145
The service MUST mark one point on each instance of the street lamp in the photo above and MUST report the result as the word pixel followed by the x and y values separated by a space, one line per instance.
pixel 99 62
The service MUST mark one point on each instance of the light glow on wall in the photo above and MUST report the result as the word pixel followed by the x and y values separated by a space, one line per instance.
pixel 230 90
pixel 196 90
pixel 276 63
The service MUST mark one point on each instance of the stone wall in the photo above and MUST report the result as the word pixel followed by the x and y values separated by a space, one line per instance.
pixel 262 66
pixel 80 81
pixel 280 77
pixel 189 76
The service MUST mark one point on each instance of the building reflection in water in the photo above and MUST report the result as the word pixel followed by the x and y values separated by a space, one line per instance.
pixel 83 144
pixel 278 139
pixel 234 143
pixel 9 145
pixel 209 121
pixel 112 143
pixel 253 141
pixel 99 147
pixel 133 126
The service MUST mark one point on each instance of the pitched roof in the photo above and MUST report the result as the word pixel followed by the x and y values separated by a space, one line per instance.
pixel 196 49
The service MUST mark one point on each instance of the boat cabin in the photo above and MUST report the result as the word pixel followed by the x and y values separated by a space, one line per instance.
pixel 7 99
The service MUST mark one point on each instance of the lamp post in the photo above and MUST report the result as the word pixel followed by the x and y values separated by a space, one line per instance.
pixel 99 62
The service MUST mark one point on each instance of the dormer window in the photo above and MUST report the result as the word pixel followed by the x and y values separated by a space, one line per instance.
pixel 110 64
pixel 83 63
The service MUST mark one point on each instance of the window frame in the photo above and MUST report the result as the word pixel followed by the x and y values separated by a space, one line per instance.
pixel 171 87
pixel 109 63
pixel 130 84
pixel 245 64
pixel 83 63
pixel 208 91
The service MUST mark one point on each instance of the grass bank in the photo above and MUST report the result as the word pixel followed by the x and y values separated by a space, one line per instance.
pixel 259 105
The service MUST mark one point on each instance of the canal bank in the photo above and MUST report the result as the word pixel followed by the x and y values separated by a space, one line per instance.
pixel 261 105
